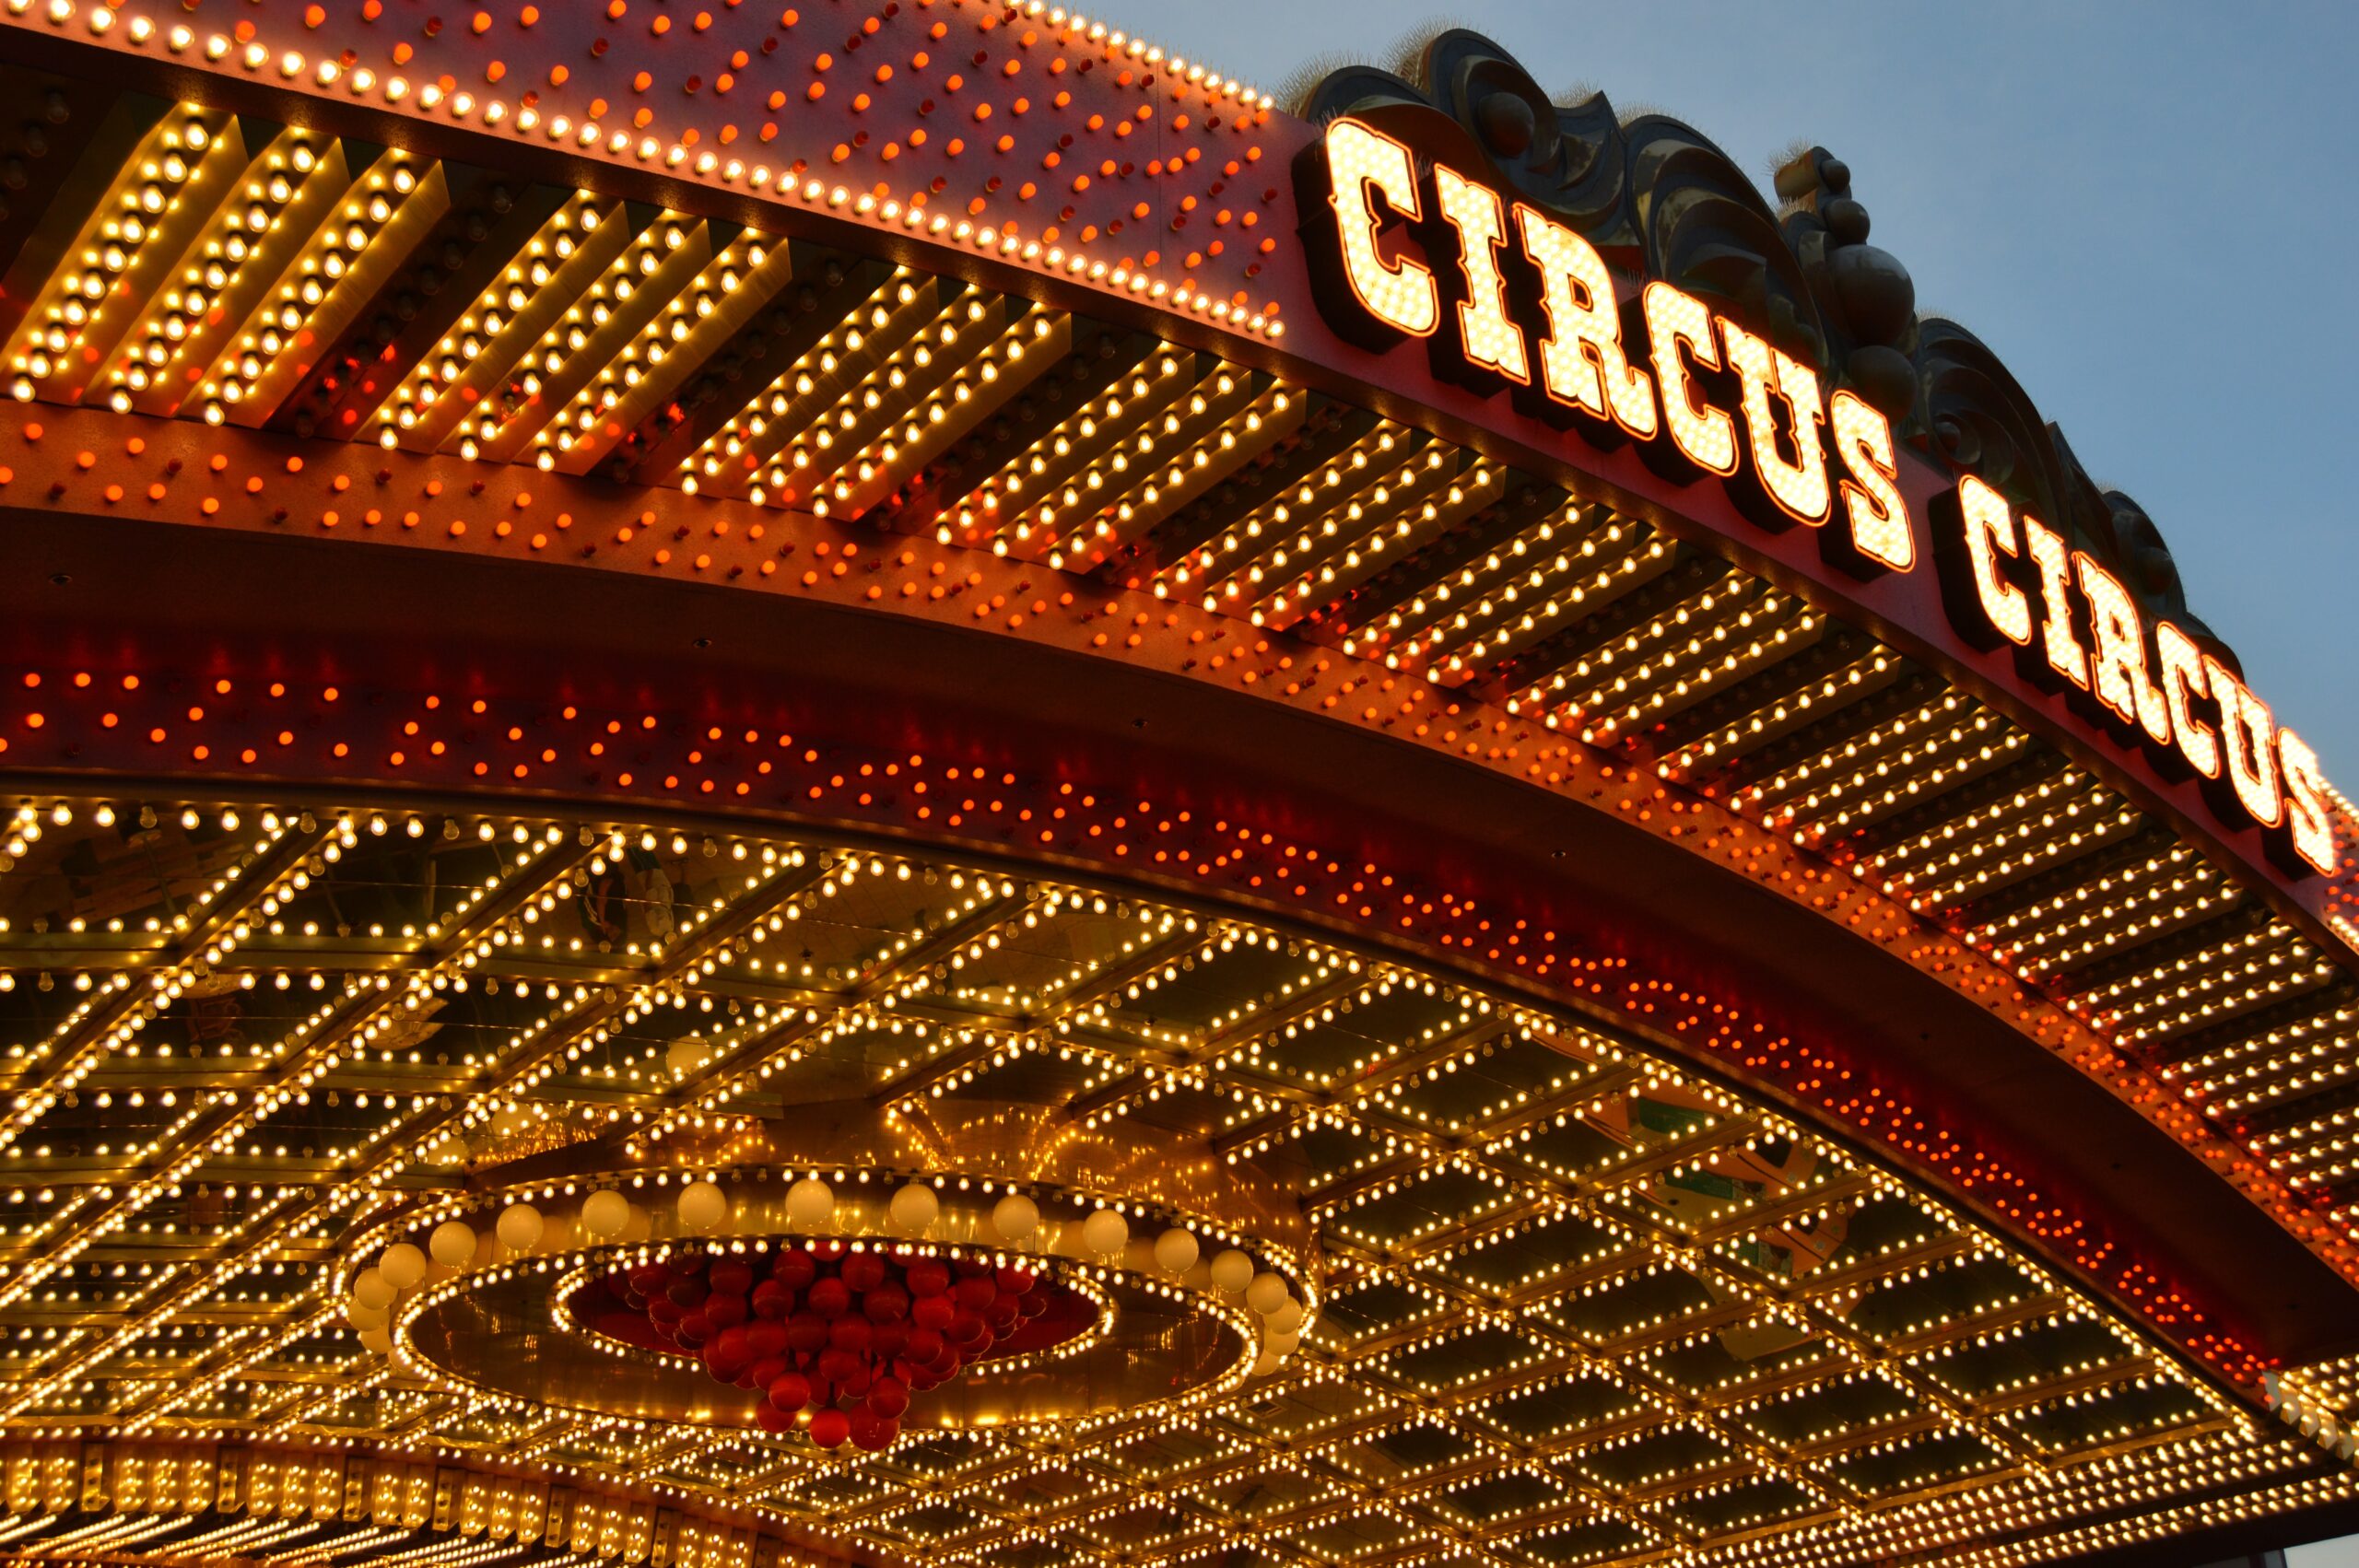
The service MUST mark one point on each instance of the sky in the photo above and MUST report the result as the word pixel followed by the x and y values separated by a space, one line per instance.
pixel 2145 209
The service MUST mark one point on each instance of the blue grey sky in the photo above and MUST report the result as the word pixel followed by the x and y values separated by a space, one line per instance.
pixel 2341 1553
pixel 2147 210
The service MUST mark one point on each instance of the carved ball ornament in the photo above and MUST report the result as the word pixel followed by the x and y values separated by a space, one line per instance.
pixel 835 1340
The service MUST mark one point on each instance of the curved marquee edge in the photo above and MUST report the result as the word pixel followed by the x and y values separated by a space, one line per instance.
pixel 297 700
pixel 1095 163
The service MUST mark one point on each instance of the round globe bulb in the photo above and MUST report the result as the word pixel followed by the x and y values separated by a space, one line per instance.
pixel 1105 1232
pixel 810 1203
pixel 703 1207
pixel 452 1244
pixel 518 1228
pixel 604 1214
pixel 1176 1250
pixel 913 1208
pixel 1015 1217
pixel 1265 1293
pixel 403 1264
pixel 1232 1271
pixel 372 1290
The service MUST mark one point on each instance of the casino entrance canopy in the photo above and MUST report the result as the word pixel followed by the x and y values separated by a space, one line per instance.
pixel 884 782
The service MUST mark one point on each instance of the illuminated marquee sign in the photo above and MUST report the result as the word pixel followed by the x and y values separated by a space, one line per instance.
pixel 1508 298
pixel 2010 578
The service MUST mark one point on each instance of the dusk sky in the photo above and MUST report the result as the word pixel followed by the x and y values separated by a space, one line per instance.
pixel 2146 211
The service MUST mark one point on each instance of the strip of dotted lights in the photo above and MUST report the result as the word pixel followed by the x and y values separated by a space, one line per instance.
pixel 1577 1302
pixel 149 1500
pixel 1211 97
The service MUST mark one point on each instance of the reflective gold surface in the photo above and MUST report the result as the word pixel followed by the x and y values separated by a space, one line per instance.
pixel 1573 1303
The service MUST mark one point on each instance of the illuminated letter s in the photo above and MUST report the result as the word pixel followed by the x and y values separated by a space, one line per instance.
pixel 1872 492
pixel 2306 801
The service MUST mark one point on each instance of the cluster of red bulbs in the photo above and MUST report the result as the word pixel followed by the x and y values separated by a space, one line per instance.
pixel 847 1336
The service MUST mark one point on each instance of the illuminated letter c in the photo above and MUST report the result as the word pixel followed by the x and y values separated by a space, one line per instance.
pixel 1402 296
